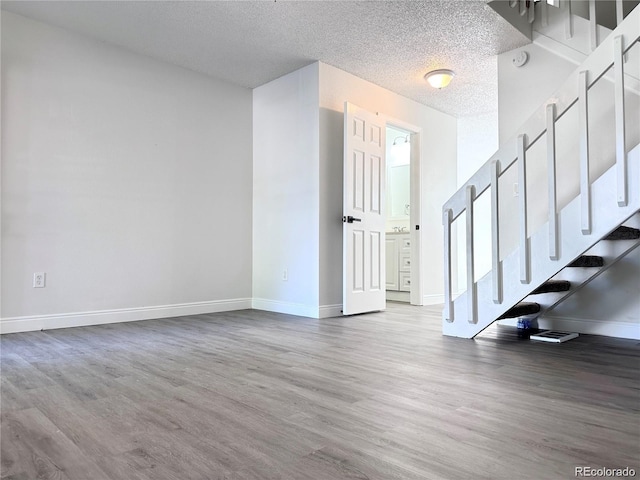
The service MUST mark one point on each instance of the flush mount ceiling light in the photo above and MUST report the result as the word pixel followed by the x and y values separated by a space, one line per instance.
pixel 439 78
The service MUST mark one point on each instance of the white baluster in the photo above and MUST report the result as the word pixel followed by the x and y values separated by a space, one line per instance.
pixel 544 13
pixel 551 171
pixel 448 299
pixel 495 234
pixel 583 139
pixel 621 154
pixel 619 12
pixel 525 263
pixel 568 19
pixel 593 26
pixel 472 308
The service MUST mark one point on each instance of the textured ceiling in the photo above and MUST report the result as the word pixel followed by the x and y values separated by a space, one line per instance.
pixel 390 43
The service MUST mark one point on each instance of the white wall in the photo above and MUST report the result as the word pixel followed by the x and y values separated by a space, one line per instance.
pixel 438 171
pixel 607 306
pixel 521 91
pixel 127 180
pixel 298 168
pixel 286 195
pixel 477 141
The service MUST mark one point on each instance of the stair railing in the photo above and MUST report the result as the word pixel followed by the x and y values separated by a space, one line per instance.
pixel 574 93
pixel 528 8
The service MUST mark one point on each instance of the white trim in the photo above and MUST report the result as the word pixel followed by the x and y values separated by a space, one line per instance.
pixel 415 200
pixel 397 296
pixel 326 311
pixel 438 298
pixel 433 299
pixel 592 327
pixel 277 306
pixel 607 328
pixel 99 317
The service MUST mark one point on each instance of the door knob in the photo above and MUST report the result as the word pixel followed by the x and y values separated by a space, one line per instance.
pixel 350 219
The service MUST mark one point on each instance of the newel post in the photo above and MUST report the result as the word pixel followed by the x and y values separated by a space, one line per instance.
pixel 495 233
pixel 472 305
pixel 447 218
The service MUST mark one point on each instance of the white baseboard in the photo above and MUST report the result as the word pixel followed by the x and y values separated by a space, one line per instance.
pixel 395 296
pixel 437 299
pixel 432 299
pixel 591 327
pixel 277 306
pixel 78 319
pixel 301 310
pixel 607 328
pixel 327 311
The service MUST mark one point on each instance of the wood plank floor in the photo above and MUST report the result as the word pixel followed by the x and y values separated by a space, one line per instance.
pixel 256 395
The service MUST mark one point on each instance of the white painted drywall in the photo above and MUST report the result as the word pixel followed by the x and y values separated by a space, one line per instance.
pixel 125 179
pixel 477 141
pixel 286 195
pixel 297 178
pixel 1 102
pixel 521 91
pixel 438 171
pixel 607 306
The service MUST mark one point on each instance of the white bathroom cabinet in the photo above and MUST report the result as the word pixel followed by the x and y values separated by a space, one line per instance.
pixel 398 262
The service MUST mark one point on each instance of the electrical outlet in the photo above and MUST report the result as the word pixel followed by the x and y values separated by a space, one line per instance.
pixel 285 275
pixel 39 280
pixel 516 190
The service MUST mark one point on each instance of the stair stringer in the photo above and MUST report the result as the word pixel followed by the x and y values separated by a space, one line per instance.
pixel 611 252
pixel 606 216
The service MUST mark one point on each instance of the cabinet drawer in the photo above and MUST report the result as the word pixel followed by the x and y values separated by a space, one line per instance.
pixel 404 262
pixel 405 282
pixel 405 243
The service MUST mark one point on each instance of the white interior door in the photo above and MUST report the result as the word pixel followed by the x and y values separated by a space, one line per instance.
pixel 364 211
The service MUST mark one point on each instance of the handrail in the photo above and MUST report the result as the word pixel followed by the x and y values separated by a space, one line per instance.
pixel 564 98
pixel 573 91
pixel 528 8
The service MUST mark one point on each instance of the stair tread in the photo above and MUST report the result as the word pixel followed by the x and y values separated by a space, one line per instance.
pixel 521 309
pixel 553 286
pixel 624 233
pixel 587 261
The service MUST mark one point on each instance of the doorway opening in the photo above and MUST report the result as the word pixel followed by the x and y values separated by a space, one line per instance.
pixel 398 214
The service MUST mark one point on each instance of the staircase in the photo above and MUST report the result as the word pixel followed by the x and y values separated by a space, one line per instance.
pixel 581 237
